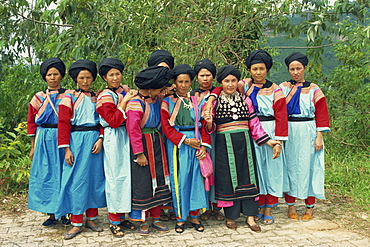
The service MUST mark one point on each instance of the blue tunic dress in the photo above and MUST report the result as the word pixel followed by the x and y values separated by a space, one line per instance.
pixel 83 184
pixel 46 169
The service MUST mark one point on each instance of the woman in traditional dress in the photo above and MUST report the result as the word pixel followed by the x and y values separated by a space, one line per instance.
pixel 236 179
pixel 178 124
pixel 205 71
pixel 47 159
pixel 80 134
pixel 163 58
pixel 149 168
pixel 111 107
pixel 269 103
pixel 304 151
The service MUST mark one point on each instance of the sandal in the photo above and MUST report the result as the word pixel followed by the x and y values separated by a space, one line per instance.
pixel 127 224
pixel 231 224
pixel 115 229
pixel 172 216
pixel 206 215
pixel 70 235
pixel 218 215
pixel 255 227
pixel 268 220
pixel 197 226
pixel 293 216
pixel 307 217
pixel 180 228
pixel 164 216
pixel 143 232
pixel 258 217
pixel 162 228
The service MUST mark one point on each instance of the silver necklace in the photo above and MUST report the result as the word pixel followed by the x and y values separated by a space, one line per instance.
pixel 231 98
pixel 186 105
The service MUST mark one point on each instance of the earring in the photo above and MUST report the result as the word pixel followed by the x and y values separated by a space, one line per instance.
pixel 149 93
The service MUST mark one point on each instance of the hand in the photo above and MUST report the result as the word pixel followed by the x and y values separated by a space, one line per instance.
pixel 201 153
pixel 68 156
pixel 207 115
pixel 31 153
pixel 130 94
pixel 318 141
pixel 192 142
pixel 276 146
pixel 141 160
pixel 97 146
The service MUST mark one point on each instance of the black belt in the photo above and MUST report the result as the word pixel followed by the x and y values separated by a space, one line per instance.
pixel 266 118
pixel 299 119
pixel 191 129
pixel 85 128
pixel 49 125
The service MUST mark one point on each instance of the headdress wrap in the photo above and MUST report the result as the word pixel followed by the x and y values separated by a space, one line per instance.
pixel 205 64
pixel 183 69
pixel 259 56
pixel 108 64
pixel 153 77
pixel 160 56
pixel 296 56
pixel 82 64
pixel 52 63
pixel 227 70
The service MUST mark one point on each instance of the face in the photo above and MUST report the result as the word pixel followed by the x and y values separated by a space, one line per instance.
pixel 205 79
pixel 258 72
pixel 164 65
pixel 296 71
pixel 113 78
pixel 53 78
pixel 229 84
pixel 84 80
pixel 183 83
pixel 154 92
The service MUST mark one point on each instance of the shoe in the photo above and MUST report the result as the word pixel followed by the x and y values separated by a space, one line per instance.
pixel 218 215
pixel 206 215
pixel 293 216
pixel 172 215
pixel 48 222
pixel 258 217
pixel 127 224
pixel 197 226
pixel 255 227
pixel 164 216
pixel 65 221
pixel 162 229
pixel 267 217
pixel 143 232
pixel 94 228
pixel 70 235
pixel 115 229
pixel 231 225
pixel 307 217
pixel 179 228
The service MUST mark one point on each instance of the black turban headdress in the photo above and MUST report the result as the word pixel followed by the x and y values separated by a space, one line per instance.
pixel 228 70
pixel 183 69
pixel 205 64
pixel 52 63
pixel 108 64
pixel 153 77
pixel 296 56
pixel 82 64
pixel 259 56
pixel 160 56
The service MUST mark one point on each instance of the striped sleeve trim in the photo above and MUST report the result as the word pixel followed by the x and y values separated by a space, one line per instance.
pixel 262 140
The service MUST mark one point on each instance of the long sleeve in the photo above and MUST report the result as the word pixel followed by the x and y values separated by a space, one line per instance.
pixel 134 116
pixel 281 115
pixel 322 115
pixel 256 130
pixel 173 135
pixel 64 124
pixel 206 138
pixel 109 111
pixel 31 124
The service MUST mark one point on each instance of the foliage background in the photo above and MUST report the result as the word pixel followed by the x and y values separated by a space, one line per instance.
pixel 223 31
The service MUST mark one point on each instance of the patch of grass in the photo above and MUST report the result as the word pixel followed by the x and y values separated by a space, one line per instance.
pixel 347 175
